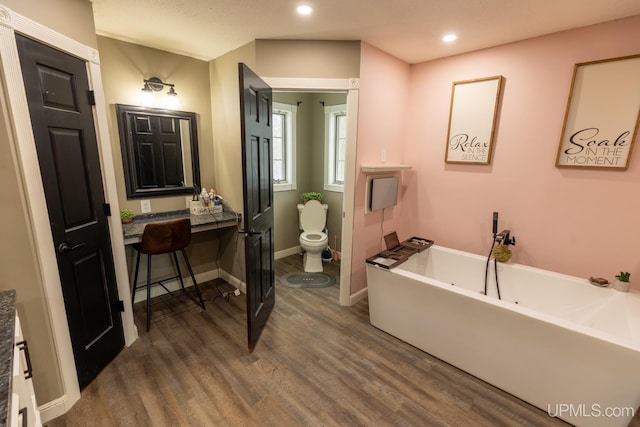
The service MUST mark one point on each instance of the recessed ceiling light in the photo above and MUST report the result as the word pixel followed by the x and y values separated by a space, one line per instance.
pixel 449 38
pixel 304 9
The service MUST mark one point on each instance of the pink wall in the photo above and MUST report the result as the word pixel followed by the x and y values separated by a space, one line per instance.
pixel 578 222
pixel 382 115
pixel 565 220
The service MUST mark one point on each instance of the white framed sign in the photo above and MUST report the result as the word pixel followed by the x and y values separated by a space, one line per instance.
pixel 472 119
pixel 601 120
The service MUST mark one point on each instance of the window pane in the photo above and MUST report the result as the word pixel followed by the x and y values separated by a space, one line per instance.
pixel 278 170
pixel 342 126
pixel 340 172
pixel 340 147
pixel 279 146
pixel 341 151
pixel 278 152
pixel 278 125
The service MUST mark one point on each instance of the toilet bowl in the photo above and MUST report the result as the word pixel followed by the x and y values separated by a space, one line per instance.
pixel 313 217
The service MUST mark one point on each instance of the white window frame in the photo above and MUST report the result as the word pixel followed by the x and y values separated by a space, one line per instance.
pixel 290 113
pixel 330 114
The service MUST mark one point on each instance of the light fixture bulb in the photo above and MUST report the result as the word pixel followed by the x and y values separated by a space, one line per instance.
pixel 304 9
pixel 146 97
pixel 172 99
pixel 449 38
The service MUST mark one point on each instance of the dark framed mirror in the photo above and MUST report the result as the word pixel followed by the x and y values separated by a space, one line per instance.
pixel 159 151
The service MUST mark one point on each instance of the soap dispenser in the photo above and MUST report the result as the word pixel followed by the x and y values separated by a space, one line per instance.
pixel 205 197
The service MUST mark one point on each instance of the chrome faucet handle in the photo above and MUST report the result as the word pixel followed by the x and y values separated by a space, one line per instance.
pixel 504 237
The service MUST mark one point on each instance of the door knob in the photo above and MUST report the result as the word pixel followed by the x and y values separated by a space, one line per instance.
pixel 65 247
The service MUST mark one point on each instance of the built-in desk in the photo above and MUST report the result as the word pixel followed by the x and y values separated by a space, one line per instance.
pixel 133 230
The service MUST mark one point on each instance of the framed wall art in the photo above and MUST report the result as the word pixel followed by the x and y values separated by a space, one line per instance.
pixel 601 120
pixel 472 120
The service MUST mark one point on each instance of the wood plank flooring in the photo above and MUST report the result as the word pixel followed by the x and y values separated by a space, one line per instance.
pixel 317 363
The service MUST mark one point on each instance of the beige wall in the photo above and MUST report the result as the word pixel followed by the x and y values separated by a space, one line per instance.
pixel 225 105
pixel 73 18
pixel 308 59
pixel 124 66
pixel 19 266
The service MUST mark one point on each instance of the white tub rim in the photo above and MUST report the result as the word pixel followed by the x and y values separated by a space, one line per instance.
pixel 523 310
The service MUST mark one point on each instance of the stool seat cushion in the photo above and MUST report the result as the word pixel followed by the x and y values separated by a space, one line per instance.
pixel 165 237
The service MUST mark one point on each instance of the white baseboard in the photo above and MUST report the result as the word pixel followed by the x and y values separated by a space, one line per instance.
pixel 286 252
pixel 54 409
pixel 358 296
pixel 174 285
pixel 239 284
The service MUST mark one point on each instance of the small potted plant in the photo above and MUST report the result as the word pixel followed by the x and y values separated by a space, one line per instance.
pixel 126 215
pixel 622 281
pixel 311 195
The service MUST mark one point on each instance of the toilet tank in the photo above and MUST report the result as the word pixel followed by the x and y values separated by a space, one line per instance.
pixel 301 205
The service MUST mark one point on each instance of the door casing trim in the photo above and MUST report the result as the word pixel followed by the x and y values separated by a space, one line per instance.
pixel 25 156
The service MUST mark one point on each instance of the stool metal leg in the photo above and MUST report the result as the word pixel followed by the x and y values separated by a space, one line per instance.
pixel 175 258
pixel 193 277
pixel 148 292
pixel 135 280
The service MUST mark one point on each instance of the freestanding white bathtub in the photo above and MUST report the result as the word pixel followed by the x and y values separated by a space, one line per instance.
pixel 556 341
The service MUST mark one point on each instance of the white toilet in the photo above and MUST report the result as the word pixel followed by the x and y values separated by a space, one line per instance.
pixel 313 217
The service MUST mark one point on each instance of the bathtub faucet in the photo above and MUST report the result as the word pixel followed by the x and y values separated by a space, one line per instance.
pixel 505 238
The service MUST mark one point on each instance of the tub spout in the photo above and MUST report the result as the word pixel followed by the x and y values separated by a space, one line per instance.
pixel 505 238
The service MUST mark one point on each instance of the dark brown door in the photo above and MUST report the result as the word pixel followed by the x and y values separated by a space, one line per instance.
pixel 255 106
pixel 62 119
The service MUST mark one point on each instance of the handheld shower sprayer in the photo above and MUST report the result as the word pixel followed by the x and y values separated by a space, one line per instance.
pixel 504 237
pixel 499 251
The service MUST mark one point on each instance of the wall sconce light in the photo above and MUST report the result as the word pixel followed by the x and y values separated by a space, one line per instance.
pixel 154 84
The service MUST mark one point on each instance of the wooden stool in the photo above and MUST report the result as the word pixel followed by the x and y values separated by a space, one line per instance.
pixel 163 238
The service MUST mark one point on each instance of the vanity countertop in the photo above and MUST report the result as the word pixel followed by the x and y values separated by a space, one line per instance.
pixel 133 230
pixel 7 333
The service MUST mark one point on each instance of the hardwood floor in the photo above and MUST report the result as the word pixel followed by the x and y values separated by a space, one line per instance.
pixel 317 363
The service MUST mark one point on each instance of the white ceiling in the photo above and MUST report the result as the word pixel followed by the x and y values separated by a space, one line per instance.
pixel 408 29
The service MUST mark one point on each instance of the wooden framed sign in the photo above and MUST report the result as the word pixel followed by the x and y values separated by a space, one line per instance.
pixel 472 119
pixel 601 120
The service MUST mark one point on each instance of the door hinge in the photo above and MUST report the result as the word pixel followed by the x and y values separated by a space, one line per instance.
pixel 107 209
pixel 91 97
pixel 121 306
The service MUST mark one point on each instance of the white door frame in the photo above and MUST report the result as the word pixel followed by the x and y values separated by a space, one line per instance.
pixel 35 205
pixel 351 86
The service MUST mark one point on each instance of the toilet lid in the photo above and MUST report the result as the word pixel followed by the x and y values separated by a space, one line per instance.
pixel 313 216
